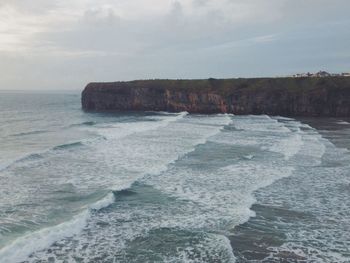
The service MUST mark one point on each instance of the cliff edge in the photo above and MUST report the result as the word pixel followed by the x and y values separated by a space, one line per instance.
pixel 326 97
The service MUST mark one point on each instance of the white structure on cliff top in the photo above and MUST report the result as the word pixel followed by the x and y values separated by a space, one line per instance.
pixel 320 74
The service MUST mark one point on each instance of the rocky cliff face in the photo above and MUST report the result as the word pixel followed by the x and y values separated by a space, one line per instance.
pixel 328 97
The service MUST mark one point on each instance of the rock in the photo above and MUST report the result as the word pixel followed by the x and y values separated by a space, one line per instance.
pixel 327 97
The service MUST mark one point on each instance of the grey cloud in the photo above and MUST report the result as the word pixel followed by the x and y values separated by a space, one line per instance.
pixel 100 17
pixel 33 7
pixel 200 3
pixel 229 39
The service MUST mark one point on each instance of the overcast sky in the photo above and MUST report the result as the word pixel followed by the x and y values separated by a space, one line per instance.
pixel 64 44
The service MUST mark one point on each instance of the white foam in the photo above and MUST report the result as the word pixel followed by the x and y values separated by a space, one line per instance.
pixel 121 130
pixel 227 193
pixel 311 253
pixel 259 124
pixel 26 157
pixel 215 248
pixel 210 199
pixel 119 163
pixel 320 234
pixel 289 146
pixel 312 151
pixel 343 123
pixel 221 196
pixel 283 118
pixel 8 163
pixel 235 138
pixel 248 157
pixel 105 202
pixel 24 246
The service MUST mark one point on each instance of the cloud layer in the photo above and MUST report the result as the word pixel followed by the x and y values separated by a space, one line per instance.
pixel 61 44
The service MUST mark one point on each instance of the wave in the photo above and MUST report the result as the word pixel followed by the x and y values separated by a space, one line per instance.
pixel 30 157
pixel 21 248
pixel 68 145
pixel 168 119
pixel 260 123
pixel 104 202
pixel 25 158
pixel 122 130
pixel 38 155
pixel 248 157
pixel 85 123
pixel 88 123
pixel 286 135
pixel 289 146
pixel 128 129
pixel 343 122
pixel 34 156
pixel 283 118
pixel 44 238
pixel 231 197
pixel 28 133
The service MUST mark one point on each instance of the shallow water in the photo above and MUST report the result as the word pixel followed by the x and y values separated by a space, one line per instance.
pixel 160 187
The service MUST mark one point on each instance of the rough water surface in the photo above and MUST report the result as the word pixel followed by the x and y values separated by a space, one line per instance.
pixel 161 187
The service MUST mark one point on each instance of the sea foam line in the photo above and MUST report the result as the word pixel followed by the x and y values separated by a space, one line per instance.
pixel 198 142
pixel 21 248
pixel 289 146
pixel 162 123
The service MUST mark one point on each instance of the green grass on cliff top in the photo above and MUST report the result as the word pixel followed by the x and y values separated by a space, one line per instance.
pixel 228 86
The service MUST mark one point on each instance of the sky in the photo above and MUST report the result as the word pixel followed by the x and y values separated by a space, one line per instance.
pixel 64 44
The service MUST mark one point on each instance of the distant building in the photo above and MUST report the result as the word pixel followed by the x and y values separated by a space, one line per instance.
pixel 322 74
pixel 301 75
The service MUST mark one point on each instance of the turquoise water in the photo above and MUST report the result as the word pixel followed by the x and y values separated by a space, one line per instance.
pixel 160 187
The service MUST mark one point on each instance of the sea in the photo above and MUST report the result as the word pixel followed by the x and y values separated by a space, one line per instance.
pixel 165 187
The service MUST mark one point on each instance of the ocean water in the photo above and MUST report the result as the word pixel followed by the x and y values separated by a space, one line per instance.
pixel 161 187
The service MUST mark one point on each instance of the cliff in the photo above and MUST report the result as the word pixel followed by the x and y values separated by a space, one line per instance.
pixel 327 97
